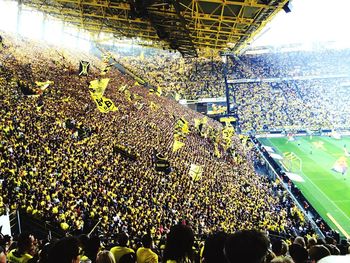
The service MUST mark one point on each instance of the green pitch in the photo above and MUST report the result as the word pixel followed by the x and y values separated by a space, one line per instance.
pixel 328 191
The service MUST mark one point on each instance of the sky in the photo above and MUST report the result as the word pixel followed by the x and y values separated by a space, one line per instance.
pixel 311 21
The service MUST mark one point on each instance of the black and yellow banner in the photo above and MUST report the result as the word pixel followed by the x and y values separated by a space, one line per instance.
pixel 104 104
pixel 84 67
pixel 97 89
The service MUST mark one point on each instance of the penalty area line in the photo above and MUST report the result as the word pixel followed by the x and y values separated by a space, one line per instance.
pixel 338 226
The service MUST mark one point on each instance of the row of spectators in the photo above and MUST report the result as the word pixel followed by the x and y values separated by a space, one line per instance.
pixel 249 246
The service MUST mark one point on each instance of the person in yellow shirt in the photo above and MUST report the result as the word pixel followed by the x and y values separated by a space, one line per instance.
pixel 145 254
pixel 122 249
pixel 25 248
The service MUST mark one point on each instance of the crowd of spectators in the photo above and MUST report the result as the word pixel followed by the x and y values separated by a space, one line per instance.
pixel 316 104
pixel 189 78
pixel 317 98
pixel 54 174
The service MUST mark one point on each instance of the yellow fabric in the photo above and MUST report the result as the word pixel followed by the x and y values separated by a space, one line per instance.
pixel 43 85
pixel 119 251
pixel 216 150
pixel 177 145
pixel 11 258
pixel 197 122
pixel 146 255
pixel 98 86
pixel 97 89
pixel 183 261
pixel 196 172
pixel 159 91
pixel 64 226
pixel 104 104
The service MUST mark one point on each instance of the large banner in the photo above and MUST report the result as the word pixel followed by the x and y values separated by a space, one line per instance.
pixel 103 104
pixel 97 89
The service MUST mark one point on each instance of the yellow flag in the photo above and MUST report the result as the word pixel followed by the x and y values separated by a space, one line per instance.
pixel 43 85
pixel 98 86
pixel 196 172
pixel 216 151
pixel 228 132
pixel 185 129
pixel 153 106
pixel 177 96
pixel 127 95
pixel 227 120
pixel 159 91
pixel 122 88
pixel 197 122
pixel 104 104
pixel 177 145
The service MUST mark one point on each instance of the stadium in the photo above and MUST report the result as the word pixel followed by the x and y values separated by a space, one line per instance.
pixel 174 131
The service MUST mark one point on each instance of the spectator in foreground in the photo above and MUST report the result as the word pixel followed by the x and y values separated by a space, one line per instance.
pixel 145 254
pixel 298 253
pixel 66 250
pixel 178 247
pixel 105 256
pixel 318 252
pixel 279 247
pixel 282 260
pixel 300 241
pixel 25 249
pixel 2 255
pixel 214 248
pixel 121 249
pixel 249 246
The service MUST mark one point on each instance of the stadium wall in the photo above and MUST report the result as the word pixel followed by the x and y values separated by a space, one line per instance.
pixel 274 171
pixel 280 134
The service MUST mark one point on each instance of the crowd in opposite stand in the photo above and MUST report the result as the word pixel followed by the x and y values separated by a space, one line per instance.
pixel 180 246
pixel 316 98
pixel 190 78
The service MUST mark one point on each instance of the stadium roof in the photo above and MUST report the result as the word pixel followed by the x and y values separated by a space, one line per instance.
pixel 188 26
